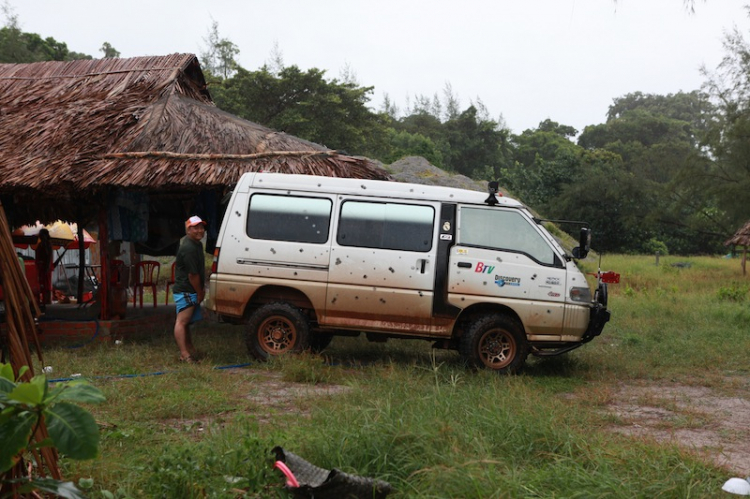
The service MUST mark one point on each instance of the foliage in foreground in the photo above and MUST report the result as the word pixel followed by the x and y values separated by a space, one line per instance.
pixel 24 406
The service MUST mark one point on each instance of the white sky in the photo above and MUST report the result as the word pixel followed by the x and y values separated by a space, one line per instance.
pixel 527 60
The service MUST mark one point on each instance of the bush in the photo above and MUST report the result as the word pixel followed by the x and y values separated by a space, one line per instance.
pixel 734 293
pixel 653 245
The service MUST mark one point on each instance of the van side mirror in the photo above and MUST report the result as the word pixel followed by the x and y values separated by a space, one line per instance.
pixel 584 244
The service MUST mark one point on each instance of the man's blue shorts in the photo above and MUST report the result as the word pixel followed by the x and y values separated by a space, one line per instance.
pixel 186 300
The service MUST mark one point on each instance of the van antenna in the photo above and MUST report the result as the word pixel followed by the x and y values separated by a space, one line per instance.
pixel 493 188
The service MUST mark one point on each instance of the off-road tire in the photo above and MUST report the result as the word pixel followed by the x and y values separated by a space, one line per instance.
pixel 495 342
pixel 602 294
pixel 277 329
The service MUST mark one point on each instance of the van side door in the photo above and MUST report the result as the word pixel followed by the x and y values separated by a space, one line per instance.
pixel 502 257
pixel 382 265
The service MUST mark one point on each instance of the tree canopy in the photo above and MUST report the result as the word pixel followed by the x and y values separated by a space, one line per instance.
pixel 17 46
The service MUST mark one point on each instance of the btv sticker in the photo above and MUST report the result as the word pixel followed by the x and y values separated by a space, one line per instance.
pixel 483 268
pixel 502 280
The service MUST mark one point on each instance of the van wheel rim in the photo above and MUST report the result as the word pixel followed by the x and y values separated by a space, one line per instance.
pixel 497 348
pixel 277 335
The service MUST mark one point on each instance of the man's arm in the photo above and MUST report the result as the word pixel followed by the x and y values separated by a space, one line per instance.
pixel 195 282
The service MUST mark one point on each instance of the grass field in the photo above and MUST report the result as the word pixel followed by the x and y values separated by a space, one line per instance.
pixel 420 420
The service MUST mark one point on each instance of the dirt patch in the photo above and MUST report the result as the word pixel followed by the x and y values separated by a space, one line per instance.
pixel 270 391
pixel 713 425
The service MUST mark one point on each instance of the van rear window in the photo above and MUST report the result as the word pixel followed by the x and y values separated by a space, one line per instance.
pixel 392 226
pixel 289 218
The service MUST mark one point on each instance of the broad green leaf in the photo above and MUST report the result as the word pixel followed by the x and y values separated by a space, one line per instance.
pixel 6 372
pixel 73 430
pixel 79 391
pixel 14 435
pixel 6 386
pixel 28 393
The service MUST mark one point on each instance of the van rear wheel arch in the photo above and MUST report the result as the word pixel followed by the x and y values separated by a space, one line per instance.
pixel 280 294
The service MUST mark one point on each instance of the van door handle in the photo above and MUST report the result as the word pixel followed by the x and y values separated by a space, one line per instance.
pixel 464 265
pixel 422 262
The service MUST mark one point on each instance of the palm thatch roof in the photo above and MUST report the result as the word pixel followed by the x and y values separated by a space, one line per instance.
pixel 740 238
pixel 69 129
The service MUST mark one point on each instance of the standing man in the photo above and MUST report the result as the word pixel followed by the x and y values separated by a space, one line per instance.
pixel 189 286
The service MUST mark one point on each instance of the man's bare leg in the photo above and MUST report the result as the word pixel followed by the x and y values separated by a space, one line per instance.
pixel 182 333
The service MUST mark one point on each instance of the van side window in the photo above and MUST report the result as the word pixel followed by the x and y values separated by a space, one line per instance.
pixel 289 218
pixel 504 230
pixel 392 226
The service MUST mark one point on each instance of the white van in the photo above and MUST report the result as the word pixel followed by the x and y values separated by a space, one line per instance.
pixel 302 258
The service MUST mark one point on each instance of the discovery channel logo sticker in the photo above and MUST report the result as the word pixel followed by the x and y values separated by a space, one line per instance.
pixel 502 280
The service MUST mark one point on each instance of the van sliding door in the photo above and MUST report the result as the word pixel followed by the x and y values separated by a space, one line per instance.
pixel 382 266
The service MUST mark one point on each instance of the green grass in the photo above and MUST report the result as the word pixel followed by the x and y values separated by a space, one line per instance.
pixel 416 417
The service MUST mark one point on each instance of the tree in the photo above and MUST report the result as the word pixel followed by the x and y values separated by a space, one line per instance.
pixel 477 148
pixel 545 160
pixel 659 140
pixel 403 143
pixel 220 56
pixel 305 104
pixel 19 47
pixel 109 51
pixel 727 179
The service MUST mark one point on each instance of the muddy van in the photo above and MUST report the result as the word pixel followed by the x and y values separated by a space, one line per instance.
pixel 301 259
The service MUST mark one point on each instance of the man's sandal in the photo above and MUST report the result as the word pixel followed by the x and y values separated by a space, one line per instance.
pixel 189 360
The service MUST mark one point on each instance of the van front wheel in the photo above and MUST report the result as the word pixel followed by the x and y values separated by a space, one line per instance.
pixel 276 329
pixel 496 342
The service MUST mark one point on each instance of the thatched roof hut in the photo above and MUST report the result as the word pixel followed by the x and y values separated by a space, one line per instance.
pixel 74 129
pixel 74 136
pixel 741 238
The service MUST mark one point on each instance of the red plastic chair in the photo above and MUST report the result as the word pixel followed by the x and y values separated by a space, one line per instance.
pixel 169 283
pixel 146 275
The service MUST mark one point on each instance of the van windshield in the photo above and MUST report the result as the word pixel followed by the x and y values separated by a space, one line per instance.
pixel 503 230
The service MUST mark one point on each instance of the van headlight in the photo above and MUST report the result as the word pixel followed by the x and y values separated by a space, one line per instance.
pixel 582 295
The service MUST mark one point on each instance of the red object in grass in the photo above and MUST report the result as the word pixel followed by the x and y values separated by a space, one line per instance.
pixel 291 481
pixel 610 277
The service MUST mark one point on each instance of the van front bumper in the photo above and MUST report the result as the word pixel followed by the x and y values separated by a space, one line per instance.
pixel 599 316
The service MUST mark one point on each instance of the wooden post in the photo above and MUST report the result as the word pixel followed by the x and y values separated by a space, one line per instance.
pixel 81 262
pixel 105 312
pixel 744 259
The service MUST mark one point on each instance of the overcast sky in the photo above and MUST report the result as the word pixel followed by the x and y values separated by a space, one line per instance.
pixel 527 60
